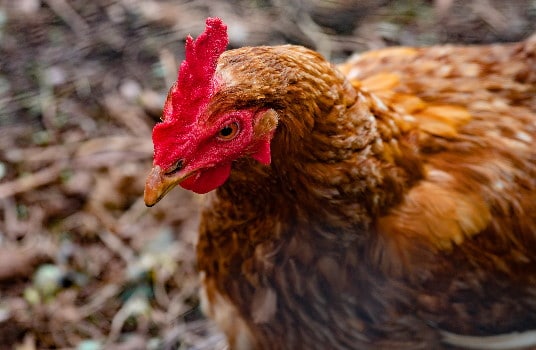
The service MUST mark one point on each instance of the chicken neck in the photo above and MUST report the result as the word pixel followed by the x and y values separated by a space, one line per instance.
pixel 337 152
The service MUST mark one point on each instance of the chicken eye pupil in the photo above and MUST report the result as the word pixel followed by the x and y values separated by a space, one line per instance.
pixel 226 131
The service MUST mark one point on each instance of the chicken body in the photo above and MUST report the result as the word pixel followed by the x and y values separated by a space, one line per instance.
pixel 401 200
pixel 388 203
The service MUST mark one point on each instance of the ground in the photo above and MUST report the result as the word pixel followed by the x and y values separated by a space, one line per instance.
pixel 83 263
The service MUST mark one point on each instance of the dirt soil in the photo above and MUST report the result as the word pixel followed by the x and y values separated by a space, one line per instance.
pixel 83 263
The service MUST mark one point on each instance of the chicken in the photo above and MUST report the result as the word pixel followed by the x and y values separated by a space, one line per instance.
pixel 387 203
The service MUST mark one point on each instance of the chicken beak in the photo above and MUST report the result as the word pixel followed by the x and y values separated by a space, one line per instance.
pixel 158 184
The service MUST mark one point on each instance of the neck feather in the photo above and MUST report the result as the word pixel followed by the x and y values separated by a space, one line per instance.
pixel 332 154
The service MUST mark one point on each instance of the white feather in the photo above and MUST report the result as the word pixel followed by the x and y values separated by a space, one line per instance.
pixel 510 341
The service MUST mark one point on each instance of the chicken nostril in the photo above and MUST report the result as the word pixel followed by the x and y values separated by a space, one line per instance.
pixel 176 167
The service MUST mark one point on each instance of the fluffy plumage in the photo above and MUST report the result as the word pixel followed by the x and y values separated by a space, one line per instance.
pixel 372 205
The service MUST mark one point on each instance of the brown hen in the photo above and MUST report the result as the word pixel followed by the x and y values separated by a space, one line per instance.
pixel 387 203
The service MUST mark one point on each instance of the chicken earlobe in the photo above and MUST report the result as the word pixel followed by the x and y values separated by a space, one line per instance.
pixel 264 129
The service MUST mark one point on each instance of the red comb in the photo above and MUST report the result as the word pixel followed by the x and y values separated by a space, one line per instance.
pixel 195 80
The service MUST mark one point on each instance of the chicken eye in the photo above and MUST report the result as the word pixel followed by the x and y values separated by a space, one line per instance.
pixel 228 132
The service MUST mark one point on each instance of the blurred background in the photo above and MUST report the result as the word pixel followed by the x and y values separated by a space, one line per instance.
pixel 83 263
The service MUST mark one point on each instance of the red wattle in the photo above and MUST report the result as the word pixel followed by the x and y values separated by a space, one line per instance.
pixel 208 180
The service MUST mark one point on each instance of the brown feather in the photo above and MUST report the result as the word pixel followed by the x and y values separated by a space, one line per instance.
pixel 401 199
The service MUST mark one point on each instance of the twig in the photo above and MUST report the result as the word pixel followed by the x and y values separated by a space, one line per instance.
pixel 40 154
pixel 12 224
pixel 130 217
pixel 31 181
pixel 117 246
pixel 114 243
pixel 314 32
pixel 131 116
pixel 99 299
pixel 136 306
pixel 19 262
pixel 69 16
pixel 491 15
pixel 186 333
